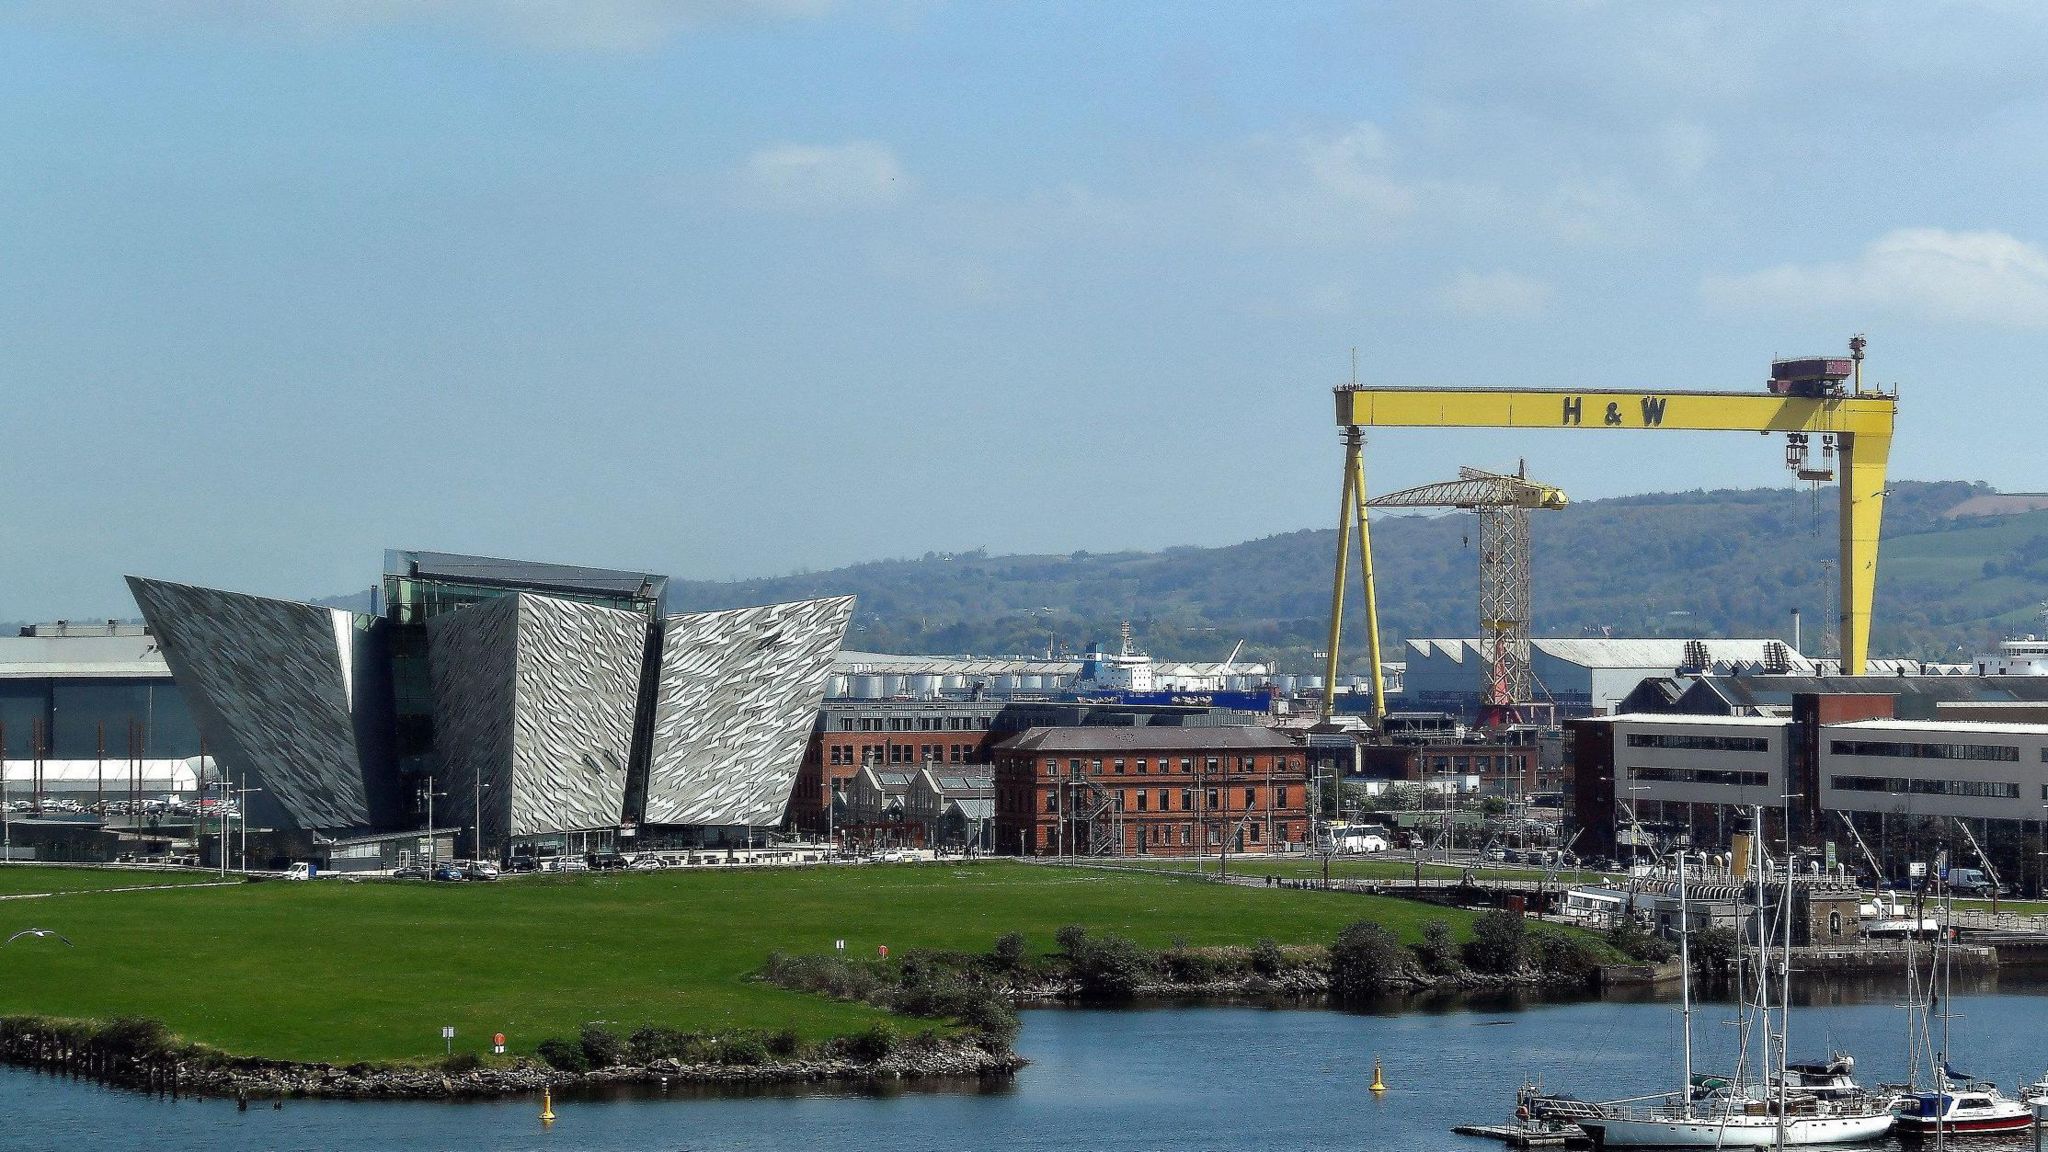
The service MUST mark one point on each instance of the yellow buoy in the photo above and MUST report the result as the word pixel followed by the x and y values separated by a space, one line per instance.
pixel 1378 1083
pixel 547 1106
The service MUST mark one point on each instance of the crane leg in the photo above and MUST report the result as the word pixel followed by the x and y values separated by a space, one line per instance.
pixel 1864 457
pixel 1372 595
pixel 1351 443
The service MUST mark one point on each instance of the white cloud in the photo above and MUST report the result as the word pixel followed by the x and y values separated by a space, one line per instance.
pixel 1500 293
pixel 551 25
pixel 859 174
pixel 1968 277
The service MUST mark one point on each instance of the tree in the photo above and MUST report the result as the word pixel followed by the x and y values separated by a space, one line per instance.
pixel 1365 961
pixel 1499 943
pixel 1439 949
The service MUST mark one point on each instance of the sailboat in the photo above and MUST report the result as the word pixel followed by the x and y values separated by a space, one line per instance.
pixel 1959 1104
pixel 1736 1112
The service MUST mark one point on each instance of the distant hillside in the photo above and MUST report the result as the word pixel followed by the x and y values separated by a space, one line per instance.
pixel 1718 563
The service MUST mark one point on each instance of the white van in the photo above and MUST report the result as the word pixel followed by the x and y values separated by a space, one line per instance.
pixel 299 871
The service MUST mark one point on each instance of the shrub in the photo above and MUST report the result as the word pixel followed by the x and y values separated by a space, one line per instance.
pixel 744 1049
pixel 875 1043
pixel 1111 967
pixel 1712 949
pixel 1072 939
pixel 1629 939
pixel 653 1042
pixel 601 1046
pixel 1499 943
pixel 563 1055
pixel 1190 967
pixel 1365 961
pixel 1267 959
pixel 1010 952
pixel 991 1016
pixel 786 1044
pixel 1565 958
pixel 825 975
pixel 1439 949
pixel 462 1062
pixel 134 1038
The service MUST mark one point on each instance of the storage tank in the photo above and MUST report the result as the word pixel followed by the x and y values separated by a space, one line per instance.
pixel 953 682
pixel 924 684
pixel 1287 684
pixel 838 685
pixel 870 687
pixel 1031 682
pixel 1309 683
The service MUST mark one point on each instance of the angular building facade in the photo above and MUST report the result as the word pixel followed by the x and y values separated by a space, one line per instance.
pixel 530 705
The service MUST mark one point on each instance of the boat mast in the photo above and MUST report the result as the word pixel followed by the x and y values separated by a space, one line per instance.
pixel 1685 988
pixel 1784 982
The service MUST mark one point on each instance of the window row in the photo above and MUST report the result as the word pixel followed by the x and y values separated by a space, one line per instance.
pixel 1690 742
pixel 1702 776
pixel 1997 753
pixel 1983 789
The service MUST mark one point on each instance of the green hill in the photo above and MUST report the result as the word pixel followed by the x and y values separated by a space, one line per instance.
pixel 1720 563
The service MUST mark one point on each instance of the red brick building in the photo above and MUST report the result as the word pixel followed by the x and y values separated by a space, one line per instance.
pixel 1150 790
pixel 905 735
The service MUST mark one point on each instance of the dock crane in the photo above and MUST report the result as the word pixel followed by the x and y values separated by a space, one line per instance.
pixel 1803 397
pixel 1503 504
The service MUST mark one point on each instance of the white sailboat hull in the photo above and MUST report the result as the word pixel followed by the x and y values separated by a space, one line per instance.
pixel 1733 1132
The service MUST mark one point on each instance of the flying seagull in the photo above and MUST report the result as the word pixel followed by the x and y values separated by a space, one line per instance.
pixel 40 934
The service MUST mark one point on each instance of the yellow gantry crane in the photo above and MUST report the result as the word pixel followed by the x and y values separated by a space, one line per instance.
pixel 1503 504
pixel 1804 398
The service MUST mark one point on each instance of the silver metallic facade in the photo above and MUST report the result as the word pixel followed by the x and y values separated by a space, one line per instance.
pixel 294 696
pixel 555 699
pixel 536 697
pixel 738 694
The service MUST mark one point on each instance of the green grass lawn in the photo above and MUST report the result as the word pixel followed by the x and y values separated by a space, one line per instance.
pixel 343 971
pixel 20 878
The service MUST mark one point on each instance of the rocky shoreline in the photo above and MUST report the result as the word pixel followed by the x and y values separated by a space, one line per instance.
pixel 200 1072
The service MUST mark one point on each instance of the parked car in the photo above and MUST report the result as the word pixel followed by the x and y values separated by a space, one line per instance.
pixel 409 872
pixel 480 870
pixel 447 872
pixel 646 864
pixel 606 861
pixel 569 864
pixel 521 865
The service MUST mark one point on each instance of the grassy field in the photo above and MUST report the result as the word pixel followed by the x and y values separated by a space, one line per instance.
pixel 343 971
pixel 17 879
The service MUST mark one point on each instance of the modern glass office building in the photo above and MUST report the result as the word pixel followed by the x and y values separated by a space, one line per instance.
pixel 538 704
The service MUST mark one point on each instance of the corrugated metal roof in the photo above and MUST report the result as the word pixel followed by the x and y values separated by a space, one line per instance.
pixel 81 656
pixel 1972 727
pixel 851 663
pixel 1623 652
pixel 1712 721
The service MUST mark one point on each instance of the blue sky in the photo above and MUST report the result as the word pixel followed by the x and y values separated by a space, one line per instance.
pixel 738 287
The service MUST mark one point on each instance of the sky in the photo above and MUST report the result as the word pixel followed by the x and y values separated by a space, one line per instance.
pixel 726 288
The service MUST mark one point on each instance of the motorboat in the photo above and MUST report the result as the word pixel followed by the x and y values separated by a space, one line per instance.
pixel 1969 1107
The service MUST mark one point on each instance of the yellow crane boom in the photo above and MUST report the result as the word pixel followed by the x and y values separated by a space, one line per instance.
pixel 1861 424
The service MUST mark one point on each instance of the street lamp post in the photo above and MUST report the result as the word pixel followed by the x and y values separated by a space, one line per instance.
pixel 432 843
pixel 242 813
pixel 481 787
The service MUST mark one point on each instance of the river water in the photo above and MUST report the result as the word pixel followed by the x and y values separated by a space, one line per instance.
pixel 1243 1079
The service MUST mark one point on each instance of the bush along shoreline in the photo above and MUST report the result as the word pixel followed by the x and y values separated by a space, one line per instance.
pixel 962 1005
pixel 982 990
pixel 143 1055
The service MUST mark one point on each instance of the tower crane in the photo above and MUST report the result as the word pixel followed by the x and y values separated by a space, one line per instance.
pixel 1803 398
pixel 1503 504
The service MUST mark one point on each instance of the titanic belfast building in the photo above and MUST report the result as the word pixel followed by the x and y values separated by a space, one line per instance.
pixel 541 705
